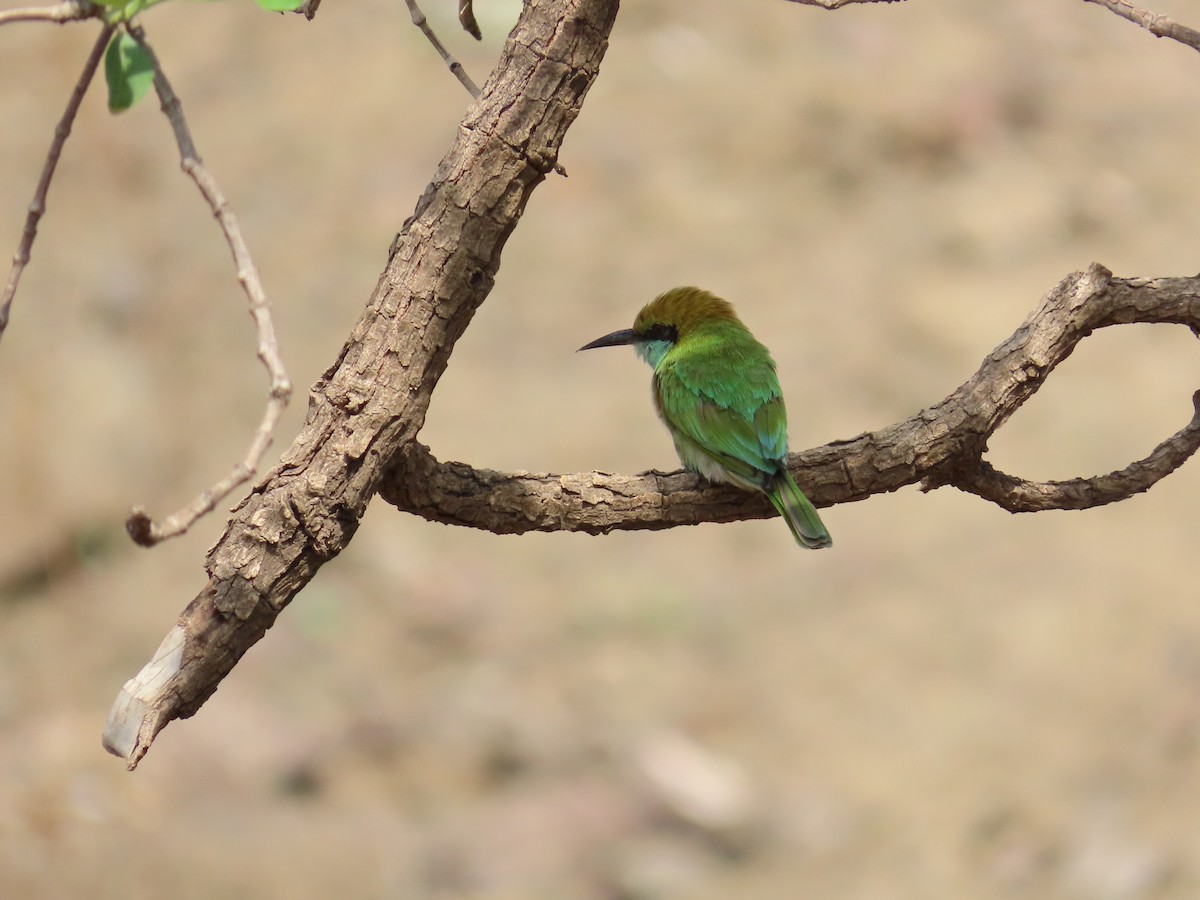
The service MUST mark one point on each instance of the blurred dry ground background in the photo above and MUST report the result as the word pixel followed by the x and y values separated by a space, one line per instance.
pixel 953 702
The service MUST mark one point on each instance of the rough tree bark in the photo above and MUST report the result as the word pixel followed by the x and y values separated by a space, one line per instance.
pixel 372 401
pixel 367 409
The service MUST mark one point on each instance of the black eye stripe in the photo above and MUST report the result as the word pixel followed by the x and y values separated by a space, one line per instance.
pixel 660 332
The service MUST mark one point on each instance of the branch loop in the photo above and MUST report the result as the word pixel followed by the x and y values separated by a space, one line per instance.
pixel 942 445
pixel 1019 495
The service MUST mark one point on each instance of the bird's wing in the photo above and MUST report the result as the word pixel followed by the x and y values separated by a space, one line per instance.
pixel 743 428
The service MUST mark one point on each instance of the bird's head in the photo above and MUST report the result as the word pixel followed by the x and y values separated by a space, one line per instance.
pixel 668 319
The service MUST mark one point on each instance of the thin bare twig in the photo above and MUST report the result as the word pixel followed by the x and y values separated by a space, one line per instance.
pixel 466 18
pixel 838 4
pixel 140 526
pixel 1159 26
pixel 466 15
pixel 456 68
pixel 37 206
pixel 59 13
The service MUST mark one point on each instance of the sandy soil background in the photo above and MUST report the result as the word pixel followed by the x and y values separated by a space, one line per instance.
pixel 952 703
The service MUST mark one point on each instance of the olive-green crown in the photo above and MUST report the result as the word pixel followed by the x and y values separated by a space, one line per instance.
pixel 683 309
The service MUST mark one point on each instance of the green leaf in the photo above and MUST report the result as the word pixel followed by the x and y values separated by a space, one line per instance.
pixel 280 5
pixel 129 72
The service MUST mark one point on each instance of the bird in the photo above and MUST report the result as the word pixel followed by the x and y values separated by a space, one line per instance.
pixel 716 390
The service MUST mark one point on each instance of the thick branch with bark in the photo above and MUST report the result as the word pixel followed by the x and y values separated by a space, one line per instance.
pixel 373 400
pixel 942 444
pixel 366 411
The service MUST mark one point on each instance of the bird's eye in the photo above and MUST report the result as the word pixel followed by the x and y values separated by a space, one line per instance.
pixel 660 332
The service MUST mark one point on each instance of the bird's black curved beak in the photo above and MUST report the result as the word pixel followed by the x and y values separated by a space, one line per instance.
pixel 616 339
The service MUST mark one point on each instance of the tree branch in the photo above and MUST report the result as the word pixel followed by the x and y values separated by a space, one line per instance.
pixel 144 530
pixel 372 401
pixel 1018 495
pixel 1159 26
pixel 367 409
pixel 59 13
pixel 456 68
pixel 838 4
pixel 37 207
pixel 942 444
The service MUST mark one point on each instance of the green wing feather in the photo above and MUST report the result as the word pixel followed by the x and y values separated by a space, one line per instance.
pixel 727 407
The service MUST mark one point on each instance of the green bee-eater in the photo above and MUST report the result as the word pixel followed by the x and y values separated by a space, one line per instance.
pixel 716 390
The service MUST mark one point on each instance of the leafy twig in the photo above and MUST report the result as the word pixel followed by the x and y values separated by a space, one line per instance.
pixel 455 66
pixel 141 528
pixel 37 206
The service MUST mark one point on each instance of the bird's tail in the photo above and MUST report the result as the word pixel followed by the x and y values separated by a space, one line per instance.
pixel 801 516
